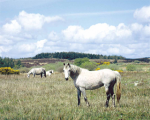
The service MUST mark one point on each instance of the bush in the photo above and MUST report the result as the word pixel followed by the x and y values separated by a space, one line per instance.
pixel 60 69
pixel 136 61
pixel 131 67
pixel 89 65
pixel 80 61
pixel 113 67
pixel 8 70
pixel 106 63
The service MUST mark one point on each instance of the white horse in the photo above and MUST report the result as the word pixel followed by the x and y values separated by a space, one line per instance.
pixel 37 71
pixel 90 80
pixel 49 72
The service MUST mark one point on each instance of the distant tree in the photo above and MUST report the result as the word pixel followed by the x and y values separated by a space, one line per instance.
pixel 6 62
pixel 1 62
pixel 18 62
pixel 74 55
pixel 115 61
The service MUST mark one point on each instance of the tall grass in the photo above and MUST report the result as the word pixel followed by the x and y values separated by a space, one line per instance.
pixel 54 98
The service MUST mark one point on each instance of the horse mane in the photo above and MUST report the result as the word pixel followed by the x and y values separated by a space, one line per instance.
pixel 30 71
pixel 76 70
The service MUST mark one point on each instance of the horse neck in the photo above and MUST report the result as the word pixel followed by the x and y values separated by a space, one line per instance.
pixel 30 72
pixel 75 71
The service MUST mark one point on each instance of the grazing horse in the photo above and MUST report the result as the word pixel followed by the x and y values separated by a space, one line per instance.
pixel 90 80
pixel 37 71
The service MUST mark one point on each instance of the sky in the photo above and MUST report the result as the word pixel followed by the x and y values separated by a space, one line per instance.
pixel 105 27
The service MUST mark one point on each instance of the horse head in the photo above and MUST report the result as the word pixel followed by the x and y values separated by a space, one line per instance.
pixel 66 69
pixel 28 75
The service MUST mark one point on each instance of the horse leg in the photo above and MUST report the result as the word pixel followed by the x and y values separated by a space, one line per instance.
pixel 113 100
pixel 84 95
pixel 108 96
pixel 112 92
pixel 41 75
pixel 112 96
pixel 79 96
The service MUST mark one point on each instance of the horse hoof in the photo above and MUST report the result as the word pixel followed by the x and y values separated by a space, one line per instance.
pixel 88 105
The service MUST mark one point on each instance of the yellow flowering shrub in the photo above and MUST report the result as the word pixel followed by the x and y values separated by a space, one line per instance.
pixel 98 63
pixel 103 63
pixel 8 70
pixel 106 63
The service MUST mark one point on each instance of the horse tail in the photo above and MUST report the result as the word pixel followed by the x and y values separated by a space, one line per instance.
pixel 118 92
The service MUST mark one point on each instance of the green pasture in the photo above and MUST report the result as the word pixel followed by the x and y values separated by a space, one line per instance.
pixel 54 98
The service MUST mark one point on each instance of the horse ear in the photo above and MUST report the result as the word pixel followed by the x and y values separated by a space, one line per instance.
pixel 64 64
pixel 69 64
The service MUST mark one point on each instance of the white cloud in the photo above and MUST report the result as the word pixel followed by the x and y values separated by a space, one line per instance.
pixel 40 44
pixel 4 50
pixel 12 28
pixel 146 30
pixel 123 31
pixel 26 48
pixel 136 27
pixel 143 14
pixel 4 41
pixel 31 21
pixel 113 50
pixel 140 32
pixel 98 33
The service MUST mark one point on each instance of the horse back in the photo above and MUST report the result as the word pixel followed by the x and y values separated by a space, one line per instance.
pixel 38 70
pixel 95 79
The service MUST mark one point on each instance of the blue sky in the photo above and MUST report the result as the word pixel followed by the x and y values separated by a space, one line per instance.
pixel 108 27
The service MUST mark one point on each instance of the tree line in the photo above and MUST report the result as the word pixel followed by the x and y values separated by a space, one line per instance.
pixel 9 62
pixel 74 55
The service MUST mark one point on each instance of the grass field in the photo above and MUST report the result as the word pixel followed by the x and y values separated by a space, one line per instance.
pixel 54 98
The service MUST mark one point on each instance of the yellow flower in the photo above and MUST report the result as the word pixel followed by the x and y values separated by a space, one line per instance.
pixel 106 63
pixel 97 69
pixel 119 71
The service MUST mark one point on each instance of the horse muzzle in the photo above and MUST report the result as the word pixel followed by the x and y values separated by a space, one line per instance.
pixel 66 79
